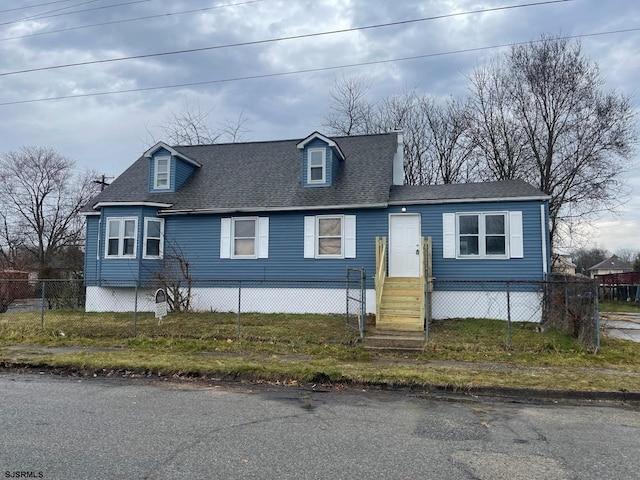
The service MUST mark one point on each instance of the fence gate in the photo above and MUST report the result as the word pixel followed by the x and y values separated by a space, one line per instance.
pixel 356 315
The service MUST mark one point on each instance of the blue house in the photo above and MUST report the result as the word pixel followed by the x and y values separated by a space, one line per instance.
pixel 306 209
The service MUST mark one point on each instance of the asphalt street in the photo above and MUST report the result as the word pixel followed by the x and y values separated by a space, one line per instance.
pixel 70 428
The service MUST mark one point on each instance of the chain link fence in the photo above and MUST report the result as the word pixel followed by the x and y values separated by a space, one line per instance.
pixel 567 304
pixel 322 312
pixel 356 316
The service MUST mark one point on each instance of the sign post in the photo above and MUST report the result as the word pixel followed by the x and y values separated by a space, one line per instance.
pixel 161 304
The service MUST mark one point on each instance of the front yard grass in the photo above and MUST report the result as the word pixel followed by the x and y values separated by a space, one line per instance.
pixel 619 306
pixel 461 354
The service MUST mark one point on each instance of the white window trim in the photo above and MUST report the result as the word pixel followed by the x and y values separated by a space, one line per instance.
pixel 348 237
pixel 324 166
pixel 482 236
pixel 155 172
pixel 317 236
pixel 121 237
pixel 256 234
pixel 227 236
pixel 146 237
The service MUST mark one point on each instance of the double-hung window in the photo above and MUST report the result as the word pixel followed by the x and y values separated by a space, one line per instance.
pixel 153 238
pixel 121 237
pixel 482 235
pixel 330 236
pixel 162 169
pixel 317 165
pixel 244 238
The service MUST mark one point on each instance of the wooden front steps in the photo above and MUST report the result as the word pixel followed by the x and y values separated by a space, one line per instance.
pixel 390 340
pixel 402 305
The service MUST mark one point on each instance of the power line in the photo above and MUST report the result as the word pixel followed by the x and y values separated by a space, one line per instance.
pixel 136 19
pixel 310 70
pixel 130 20
pixel 37 16
pixel 43 15
pixel 33 6
pixel 279 39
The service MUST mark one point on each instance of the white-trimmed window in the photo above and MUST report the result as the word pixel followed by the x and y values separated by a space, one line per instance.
pixel 330 236
pixel 153 238
pixel 244 237
pixel 482 235
pixel 121 237
pixel 316 165
pixel 162 173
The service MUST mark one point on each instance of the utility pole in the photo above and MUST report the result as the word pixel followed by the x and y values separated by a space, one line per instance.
pixel 102 182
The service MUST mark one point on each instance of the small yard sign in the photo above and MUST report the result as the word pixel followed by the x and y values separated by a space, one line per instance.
pixel 161 304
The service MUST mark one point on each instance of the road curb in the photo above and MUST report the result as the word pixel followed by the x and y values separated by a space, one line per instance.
pixel 524 395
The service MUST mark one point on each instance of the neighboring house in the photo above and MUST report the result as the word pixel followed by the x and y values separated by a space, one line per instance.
pixel 306 209
pixel 562 264
pixel 611 265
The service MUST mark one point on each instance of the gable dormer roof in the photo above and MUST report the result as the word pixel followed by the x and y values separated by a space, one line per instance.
pixel 259 176
pixel 317 135
pixel 161 145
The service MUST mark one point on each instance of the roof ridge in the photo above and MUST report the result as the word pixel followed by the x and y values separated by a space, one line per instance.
pixel 336 137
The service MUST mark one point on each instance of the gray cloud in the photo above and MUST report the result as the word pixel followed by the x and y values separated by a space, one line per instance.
pixel 109 132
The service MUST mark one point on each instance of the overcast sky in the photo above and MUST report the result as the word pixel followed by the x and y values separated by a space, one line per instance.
pixel 107 133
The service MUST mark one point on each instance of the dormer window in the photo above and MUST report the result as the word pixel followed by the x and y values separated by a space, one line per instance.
pixel 317 165
pixel 161 180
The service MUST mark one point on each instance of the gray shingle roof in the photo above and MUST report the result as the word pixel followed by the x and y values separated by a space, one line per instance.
pixel 499 190
pixel 256 176
pixel 259 175
pixel 613 263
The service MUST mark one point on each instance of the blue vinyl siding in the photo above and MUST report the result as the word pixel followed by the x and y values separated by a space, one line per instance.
pixel 91 261
pixel 198 240
pixel 172 171
pixel 119 271
pixel 332 164
pixel 180 172
pixel 527 268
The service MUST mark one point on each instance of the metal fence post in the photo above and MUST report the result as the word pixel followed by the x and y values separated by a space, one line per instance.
pixel 239 304
pixel 135 311
pixel 508 315
pixel 346 315
pixel 42 304
pixel 363 303
pixel 596 313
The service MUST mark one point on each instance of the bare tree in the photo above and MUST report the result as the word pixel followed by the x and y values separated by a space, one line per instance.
pixel 500 145
pixel 41 197
pixel 585 258
pixel 350 113
pixel 542 116
pixel 437 148
pixel 192 126
pixel 451 145
pixel 10 244
pixel 626 255
pixel 176 279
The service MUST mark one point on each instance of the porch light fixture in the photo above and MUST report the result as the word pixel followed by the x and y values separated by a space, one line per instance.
pixel 403 209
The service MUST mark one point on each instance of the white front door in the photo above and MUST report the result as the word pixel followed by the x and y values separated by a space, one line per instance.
pixel 404 245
